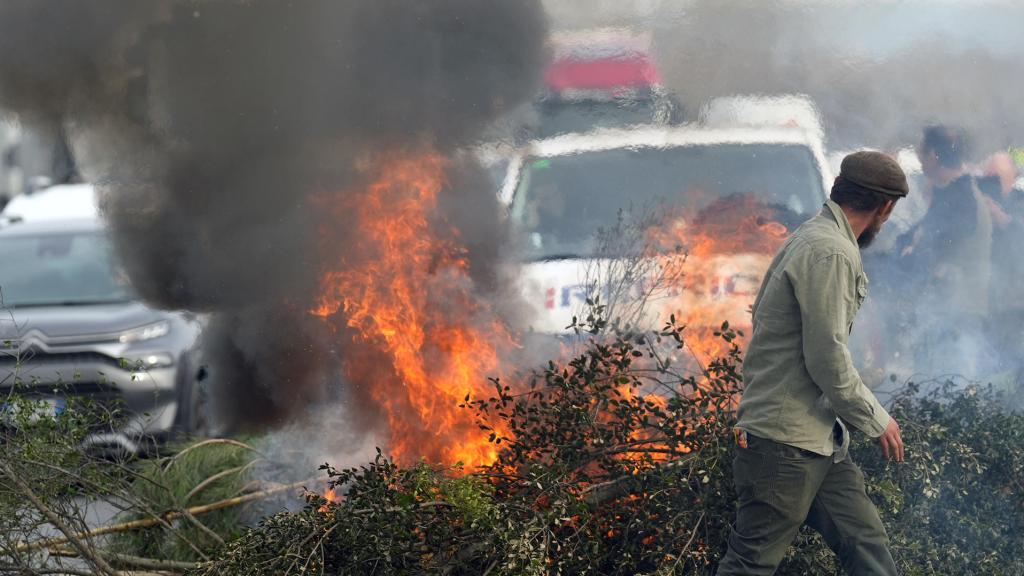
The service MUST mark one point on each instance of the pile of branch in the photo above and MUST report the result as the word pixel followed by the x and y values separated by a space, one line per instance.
pixel 90 550
pixel 596 474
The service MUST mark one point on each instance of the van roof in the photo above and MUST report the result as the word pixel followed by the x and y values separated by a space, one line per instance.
pixel 661 137
pixel 650 137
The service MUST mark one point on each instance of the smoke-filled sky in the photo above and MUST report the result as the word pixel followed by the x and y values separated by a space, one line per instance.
pixel 877 27
pixel 877 69
pixel 209 125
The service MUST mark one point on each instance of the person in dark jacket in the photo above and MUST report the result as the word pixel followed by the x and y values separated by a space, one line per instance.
pixel 948 255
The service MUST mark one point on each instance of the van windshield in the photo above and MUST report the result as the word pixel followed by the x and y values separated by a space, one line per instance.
pixel 564 202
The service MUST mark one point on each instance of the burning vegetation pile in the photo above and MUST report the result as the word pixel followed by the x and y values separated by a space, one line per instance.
pixel 612 463
pixel 297 173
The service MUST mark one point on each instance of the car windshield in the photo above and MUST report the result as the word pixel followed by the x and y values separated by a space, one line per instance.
pixel 59 269
pixel 563 202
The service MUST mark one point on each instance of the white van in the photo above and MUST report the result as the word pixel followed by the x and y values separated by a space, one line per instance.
pixel 575 200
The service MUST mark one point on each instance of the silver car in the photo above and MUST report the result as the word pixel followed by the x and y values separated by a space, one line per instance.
pixel 71 326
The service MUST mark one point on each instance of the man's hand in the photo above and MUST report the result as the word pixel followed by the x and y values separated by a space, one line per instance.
pixel 892 443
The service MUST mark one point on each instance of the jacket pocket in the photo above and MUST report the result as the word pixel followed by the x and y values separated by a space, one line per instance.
pixel 861 294
pixel 862 289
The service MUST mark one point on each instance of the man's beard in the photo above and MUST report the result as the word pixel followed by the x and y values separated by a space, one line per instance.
pixel 869 234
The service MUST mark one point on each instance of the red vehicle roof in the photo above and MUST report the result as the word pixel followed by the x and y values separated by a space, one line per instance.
pixel 629 71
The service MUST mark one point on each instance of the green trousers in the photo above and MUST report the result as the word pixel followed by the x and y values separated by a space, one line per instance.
pixel 782 488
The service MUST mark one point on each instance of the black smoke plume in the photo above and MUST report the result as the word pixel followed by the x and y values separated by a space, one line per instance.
pixel 207 125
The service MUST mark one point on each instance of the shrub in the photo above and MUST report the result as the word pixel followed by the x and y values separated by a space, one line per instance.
pixel 53 490
pixel 599 476
pixel 957 505
pixel 197 474
pixel 45 473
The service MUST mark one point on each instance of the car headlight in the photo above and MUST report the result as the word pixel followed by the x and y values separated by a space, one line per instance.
pixel 147 332
pixel 147 361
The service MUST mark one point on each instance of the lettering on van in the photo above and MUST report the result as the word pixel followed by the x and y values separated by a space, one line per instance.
pixel 720 287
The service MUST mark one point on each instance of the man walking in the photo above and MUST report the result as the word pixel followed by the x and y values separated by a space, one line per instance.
pixel 802 390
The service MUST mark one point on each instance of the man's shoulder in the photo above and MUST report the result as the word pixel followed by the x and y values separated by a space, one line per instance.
pixel 817 239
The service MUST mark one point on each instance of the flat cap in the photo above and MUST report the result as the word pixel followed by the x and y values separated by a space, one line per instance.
pixel 875 171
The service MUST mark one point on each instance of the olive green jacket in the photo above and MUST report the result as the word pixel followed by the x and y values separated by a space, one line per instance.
pixel 798 373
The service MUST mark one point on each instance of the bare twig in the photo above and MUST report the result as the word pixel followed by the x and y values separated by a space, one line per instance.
pixel 319 545
pixel 128 501
pixel 491 566
pixel 128 560
pixel 20 570
pixel 172 515
pixel 171 530
pixel 84 549
pixel 203 527
pixel 689 542
pixel 213 441
pixel 222 474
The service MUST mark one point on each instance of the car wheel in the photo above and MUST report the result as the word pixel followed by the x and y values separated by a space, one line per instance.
pixel 193 407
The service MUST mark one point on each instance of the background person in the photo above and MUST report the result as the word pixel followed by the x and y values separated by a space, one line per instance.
pixel 948 256
pixel 1007 291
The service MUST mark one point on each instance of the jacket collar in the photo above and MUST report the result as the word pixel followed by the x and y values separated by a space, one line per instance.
pixel 833 212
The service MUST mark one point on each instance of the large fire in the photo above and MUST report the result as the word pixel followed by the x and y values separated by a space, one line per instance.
pixel 728 248
pixel 405 296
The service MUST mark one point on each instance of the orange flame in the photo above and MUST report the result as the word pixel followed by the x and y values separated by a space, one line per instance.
pixel 729 247
pixel 332 497
pixel 407 298
pixel 648 447
pixel 403 296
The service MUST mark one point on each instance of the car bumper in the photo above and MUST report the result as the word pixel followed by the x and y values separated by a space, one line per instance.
pixel 147 399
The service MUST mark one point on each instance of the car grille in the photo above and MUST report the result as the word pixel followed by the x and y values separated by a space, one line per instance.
pixel 35 358
pixel 98 391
